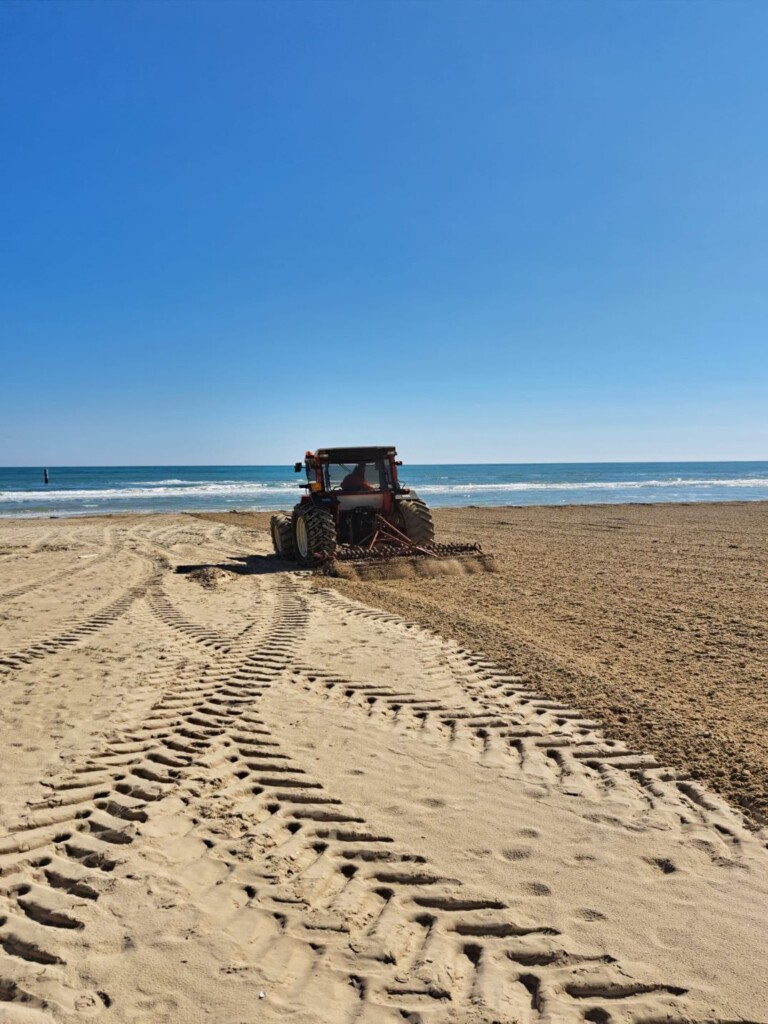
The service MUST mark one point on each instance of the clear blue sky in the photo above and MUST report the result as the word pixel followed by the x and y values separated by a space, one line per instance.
pixel 485 231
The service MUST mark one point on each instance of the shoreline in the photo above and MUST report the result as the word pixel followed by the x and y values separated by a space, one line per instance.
pixel 442 509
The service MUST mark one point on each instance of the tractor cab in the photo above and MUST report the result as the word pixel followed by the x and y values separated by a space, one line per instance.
pixel 351 471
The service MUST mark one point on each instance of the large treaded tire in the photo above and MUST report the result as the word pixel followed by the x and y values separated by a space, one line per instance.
pixel 314 535
pixel 281 528
pixel 416 520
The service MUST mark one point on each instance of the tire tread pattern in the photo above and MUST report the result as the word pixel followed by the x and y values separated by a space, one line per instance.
pixel 321 533
pixel 281 528
pixel 417 520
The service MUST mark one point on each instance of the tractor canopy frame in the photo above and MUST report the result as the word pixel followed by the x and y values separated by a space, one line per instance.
pixel 318 469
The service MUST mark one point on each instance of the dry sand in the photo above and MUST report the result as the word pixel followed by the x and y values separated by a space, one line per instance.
pixel 234 795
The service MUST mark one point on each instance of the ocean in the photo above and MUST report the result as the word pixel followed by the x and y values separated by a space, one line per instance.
pixel 92 490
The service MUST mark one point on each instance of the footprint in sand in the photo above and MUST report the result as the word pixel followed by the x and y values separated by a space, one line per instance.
pixel 587 914
pixel 663 864
pixel 513 853
pixel 536 888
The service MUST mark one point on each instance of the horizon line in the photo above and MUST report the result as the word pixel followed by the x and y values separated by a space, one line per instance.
pixel 281 465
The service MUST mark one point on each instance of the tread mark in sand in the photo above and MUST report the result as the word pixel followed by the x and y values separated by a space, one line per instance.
pixel 405 937
pixel 52 861
pixel 506 718
pixel 68 637
pixel 351 901
pixel 166 611
pixel 569 759
pixel 111 548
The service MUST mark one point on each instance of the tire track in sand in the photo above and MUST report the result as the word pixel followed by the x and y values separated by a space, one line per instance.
pixel 112 547
pixel 345 905
pixel 503 721
pixel 334 897
pixel 56 862
pixel 339 913
pixel 156 563
pixel 80 630
pixel 406 940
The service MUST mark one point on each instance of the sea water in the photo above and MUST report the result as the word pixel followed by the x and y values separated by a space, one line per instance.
pixel 93 490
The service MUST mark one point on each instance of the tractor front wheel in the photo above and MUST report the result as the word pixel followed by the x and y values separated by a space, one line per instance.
pixel 416 520
pixel 314 534
pixel 281 529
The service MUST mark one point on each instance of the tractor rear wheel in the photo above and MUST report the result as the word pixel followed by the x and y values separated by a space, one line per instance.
pixel 416 520
pixel 314 534
pixel 281 528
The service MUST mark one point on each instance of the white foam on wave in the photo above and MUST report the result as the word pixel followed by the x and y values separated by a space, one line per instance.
pixel 262 491
pixel 588 485
pixel 234 489
pixel 160 483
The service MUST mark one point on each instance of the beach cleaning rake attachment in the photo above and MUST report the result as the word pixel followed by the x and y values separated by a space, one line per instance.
pixel 389 554
pixel 386 541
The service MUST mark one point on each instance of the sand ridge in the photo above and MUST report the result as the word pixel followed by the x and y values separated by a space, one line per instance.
pixel 233 794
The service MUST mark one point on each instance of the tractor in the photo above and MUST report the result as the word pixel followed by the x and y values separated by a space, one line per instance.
pixel 355 509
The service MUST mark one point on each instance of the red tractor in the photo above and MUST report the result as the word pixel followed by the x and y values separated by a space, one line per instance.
pixel 354 508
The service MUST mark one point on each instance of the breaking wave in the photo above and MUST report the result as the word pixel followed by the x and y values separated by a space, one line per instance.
pixel 233 489
pixel 588 485
pixel 85 491
pixel 241 489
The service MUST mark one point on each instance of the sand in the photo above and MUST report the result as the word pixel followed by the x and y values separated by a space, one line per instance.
pixel 236 794
pixel 653 618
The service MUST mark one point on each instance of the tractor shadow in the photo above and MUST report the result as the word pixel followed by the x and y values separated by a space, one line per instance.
pixel 245 565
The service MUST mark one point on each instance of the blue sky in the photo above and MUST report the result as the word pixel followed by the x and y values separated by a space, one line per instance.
pixel 482 231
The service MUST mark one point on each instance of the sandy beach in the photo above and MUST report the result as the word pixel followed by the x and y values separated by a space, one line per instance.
pixel 239 792
pixel 654 618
